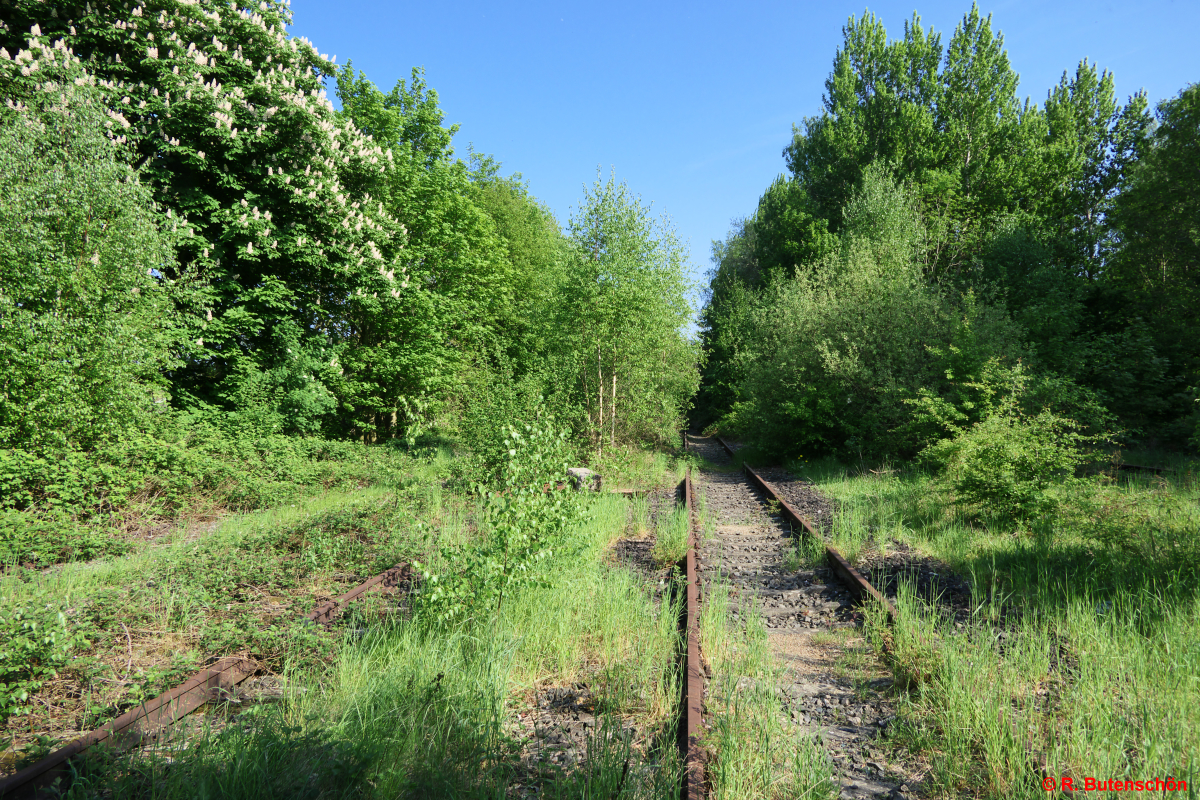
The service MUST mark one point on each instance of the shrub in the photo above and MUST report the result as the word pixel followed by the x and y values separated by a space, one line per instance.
pixel 39 541
pixel 1158 527
pixel 833 354
pixel 68 505
pixel 1010 462
pixel 35 642
pixel 87 320
pixel 525 518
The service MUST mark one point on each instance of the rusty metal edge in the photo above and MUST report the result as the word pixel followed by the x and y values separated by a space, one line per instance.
pixel 693 780
pixel 146 721
pixel 854 579
pixel 389 579
pixel 859 585
pixel 171 706
pixel 1141 468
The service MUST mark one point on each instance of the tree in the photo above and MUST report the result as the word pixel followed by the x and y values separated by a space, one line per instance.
pixel 789 232
pixel 732 290
pixel 947 121
pixel 1092 139
pixel 87 322
pixel 622 313
pixel 226 116
pixel 1157 268
pixel 829 358
pixel 456 261
pixel 537 254
pixel 1019 206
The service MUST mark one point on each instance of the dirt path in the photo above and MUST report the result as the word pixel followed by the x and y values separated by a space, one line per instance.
pixel 832 687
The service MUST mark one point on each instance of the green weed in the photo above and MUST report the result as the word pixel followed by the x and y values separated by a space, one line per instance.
pixel 671 537
pixel 1079 643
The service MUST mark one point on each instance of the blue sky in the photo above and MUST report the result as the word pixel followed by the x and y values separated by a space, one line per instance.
pixel 692 103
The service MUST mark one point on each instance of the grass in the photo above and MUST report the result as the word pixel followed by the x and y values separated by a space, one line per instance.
pixel 71 505
pixel 636 468
pixel 410 710
pixel 671 537
pixel 406 709
pixel 805 553
pixel 139 623
pixel 756 753
pixel 1080 641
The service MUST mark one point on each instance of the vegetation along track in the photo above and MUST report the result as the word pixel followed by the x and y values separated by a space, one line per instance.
pixel 826 689
pixel 150 720
pixel 557 731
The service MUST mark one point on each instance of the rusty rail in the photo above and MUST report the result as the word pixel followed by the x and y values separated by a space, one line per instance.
pixel 388 579
pixel 1143 468
pixel 863 589
pixel 47 777
pixel 858 585
pixel 693 696
pixel 132 728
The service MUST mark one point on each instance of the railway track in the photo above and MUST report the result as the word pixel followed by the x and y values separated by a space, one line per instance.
pixel 752 551
pixel 755 525
pixel 692 706
pixel 811 615
pixel 150 720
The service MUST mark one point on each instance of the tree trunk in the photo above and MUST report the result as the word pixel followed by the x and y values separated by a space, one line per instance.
pixel 600 416
pixel 612 401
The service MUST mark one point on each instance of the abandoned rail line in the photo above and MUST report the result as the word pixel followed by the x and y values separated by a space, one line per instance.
pixel 811 616
pixel 148 721
pixel 752 563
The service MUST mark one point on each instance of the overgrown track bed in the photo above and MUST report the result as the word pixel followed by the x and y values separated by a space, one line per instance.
pixel 595 698
pixel 562 722
pixel 149 721
pixel 831 687
pixel 692 701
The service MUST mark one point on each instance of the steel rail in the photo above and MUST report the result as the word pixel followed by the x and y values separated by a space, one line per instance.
pixel 861 587
pixel 693 697
pixel 388 579
pixel 47 777
pixel 854 580
pixel 1142 468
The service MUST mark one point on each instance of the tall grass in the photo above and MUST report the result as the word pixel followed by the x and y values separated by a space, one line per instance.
pixel 1081 638
pixel 671 537
pixel 413 711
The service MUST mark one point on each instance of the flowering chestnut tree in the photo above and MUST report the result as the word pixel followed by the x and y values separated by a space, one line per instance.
pixel 300 262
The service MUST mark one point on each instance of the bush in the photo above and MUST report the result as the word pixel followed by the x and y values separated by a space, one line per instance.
pixel 833 354
pixel 525 518
pixel 35 541
pixel 1010 462
pixel 491 399
pixel 69 505
pixel 87 321
pixel 35 642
